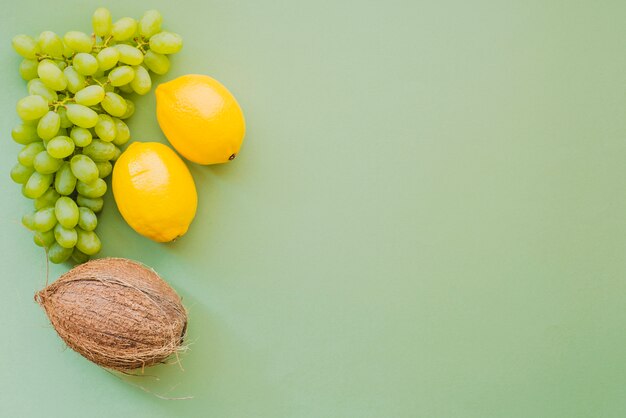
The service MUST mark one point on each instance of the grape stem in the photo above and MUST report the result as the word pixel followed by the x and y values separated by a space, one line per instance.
pixel 41 57
pixel 141 43
pixel 98 82
pixel 61 103
pixel 104 44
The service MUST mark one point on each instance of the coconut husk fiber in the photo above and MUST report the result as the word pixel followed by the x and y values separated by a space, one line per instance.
pixel 117 313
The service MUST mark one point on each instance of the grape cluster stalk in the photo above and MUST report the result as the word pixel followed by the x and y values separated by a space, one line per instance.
pixel 72 121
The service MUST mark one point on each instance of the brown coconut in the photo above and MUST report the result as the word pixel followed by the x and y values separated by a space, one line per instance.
pixel 117 313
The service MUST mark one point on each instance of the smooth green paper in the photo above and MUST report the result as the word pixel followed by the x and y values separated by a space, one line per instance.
pixel 427 218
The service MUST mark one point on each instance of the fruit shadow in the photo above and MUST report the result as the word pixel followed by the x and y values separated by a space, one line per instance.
pixel 230 172
pixel 187 374
pixel 208 372
pixel 187 247
pixel 209 180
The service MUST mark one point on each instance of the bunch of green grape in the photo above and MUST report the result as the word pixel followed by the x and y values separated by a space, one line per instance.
pixel 72 122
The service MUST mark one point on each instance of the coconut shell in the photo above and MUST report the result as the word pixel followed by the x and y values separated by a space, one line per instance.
pixel 117 313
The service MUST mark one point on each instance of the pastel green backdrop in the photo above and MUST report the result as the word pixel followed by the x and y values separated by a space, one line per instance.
pixel 427 219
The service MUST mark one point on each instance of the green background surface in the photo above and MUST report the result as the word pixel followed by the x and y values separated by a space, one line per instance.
pixel 427 219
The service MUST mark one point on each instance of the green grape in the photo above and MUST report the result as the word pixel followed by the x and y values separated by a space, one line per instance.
pixel 126 88
pixel 67 51
pixel 37 87
pixel 51 75
pixel 121 75
pixel 61 146
pixel 44 163
pixel 61 64
pixel 85 64
pixel 50 44
pixel 37 241
pixel 82 116
pixel 37 185
pixel 87 220
pixel 44 219
pixel 26 46
pixel 75 81
pixel 58 254
pixel 88 242
pixel 124 29
pixel 27 155
pixel 79 257
pixel 93 204
pixel 105 128
pixel 130 110
pixel 142 83
pixel 33 122
pixel 99 75
pixel 66 212
pixel 65 122
pixel 28 69
pixel 96 189
pixel 166 43
pixel 44 239
pixel 24 134
pixel 78 41
pixel 101 22
pixel 117 154
pixel 122 132
pixel 99 151
pixel 65 180
pixel 84 169
pixel 46 200
pixel 104 169
pixel 90 95
pixel 81 136
pixel 113 104
pixel 157 63
pixel 108 58
pixel 20 173
pixel 150 23
pixel 33 107
pixel 49 125
pixel 129 54
pixel 28 220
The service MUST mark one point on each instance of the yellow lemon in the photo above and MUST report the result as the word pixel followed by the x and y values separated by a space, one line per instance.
pixel 200 118
pixel 154 191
